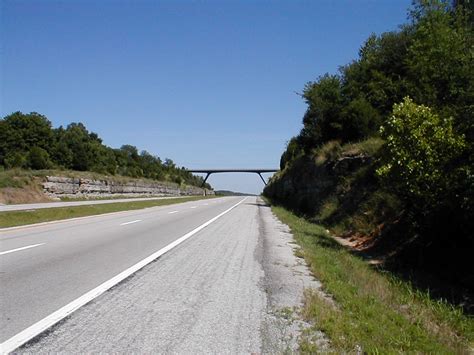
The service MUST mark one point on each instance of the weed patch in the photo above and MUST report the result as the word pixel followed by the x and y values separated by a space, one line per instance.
pixel 375 312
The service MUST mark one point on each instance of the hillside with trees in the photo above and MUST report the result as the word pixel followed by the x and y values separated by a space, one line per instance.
pixel 385 156
pixel 28 141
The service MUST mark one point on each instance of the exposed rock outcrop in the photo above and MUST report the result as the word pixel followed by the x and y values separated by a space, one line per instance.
pixel 59 186
pixel 304 184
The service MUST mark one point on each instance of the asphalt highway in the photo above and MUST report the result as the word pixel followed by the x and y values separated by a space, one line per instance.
pixel 210 276
pixel 42 268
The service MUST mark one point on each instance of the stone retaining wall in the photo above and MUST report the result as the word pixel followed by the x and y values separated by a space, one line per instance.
pixel 58 186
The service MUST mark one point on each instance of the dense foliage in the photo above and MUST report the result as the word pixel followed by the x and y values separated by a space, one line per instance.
pixel 429 60
pixel 417 83
pixel 420 149
pixel 30 141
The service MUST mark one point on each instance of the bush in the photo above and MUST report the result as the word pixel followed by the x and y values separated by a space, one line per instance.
pixel 421 148
pixel 38 159
pixel 15 160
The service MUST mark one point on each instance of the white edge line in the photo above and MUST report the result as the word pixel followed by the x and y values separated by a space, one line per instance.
pixel 34 330
pixel 22 248
pixel 135 221
pixel 173 212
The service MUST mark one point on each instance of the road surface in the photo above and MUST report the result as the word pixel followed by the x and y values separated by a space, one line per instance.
pixel 215 292
pixel 36 206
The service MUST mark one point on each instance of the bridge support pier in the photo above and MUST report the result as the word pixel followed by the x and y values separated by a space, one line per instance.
pixel 204 182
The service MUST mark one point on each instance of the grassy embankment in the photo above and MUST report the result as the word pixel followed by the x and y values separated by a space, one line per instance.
pixel 375 311
pixel 24 186
pixel 17 218
pixel 336 186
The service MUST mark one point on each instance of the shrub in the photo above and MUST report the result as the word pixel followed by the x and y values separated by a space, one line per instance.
pixel 38 159
pixel 15 160
pixel 420 150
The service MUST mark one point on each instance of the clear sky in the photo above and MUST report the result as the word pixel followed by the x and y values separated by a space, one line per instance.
pixel 209 84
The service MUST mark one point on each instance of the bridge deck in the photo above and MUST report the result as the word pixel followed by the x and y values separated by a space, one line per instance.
pixel 214 171
pixel 256 171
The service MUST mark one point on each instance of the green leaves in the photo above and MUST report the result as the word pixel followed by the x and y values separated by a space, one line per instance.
pixel 420 145
pixel 29 141
pixel 440 57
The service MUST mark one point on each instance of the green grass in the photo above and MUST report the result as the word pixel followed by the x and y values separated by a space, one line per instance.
pixel 375 311
pixel 369 146
pixel 100 198
pixel 10 177
pixel 15 178
pixel 333 150
pixel 18 218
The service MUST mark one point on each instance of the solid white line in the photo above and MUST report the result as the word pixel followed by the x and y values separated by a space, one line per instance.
pixel 173 212
pixel 193 206
pixel 32 331
pixel 135 221
pixel 22 248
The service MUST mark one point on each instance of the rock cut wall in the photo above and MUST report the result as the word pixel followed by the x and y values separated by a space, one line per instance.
pixel 58 186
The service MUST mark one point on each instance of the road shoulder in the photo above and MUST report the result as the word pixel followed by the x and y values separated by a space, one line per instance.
pixel 286 279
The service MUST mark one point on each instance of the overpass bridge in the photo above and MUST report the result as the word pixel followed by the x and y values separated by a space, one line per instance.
pixel 208 172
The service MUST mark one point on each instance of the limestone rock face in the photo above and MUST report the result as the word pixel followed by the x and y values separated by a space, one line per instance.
pixel 305 183
pixel 59 186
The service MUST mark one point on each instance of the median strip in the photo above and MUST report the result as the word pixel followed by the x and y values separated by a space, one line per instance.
pixel 20 218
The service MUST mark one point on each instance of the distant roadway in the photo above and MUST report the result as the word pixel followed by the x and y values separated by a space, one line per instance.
pixel 36 206
pixel 204 295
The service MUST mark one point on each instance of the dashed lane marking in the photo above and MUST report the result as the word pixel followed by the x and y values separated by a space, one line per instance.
pixel 22 248
pixel 135 221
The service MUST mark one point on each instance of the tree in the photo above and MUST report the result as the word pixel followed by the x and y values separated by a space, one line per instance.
pixel 15 160
pixel 151 165
pixel 322 120
pixel 380 73
pixel 29 141
pixel 19 132
pixel 440 59
pixel 169 164
pixel 359 120
pixel 61 153
pixel 105 161
pixel 131 161
pixel 77 137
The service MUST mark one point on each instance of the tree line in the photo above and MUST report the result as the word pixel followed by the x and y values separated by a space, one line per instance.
pixel 29 141
pixel 414 88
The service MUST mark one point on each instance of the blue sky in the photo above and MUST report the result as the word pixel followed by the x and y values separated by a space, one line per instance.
pixel 209 84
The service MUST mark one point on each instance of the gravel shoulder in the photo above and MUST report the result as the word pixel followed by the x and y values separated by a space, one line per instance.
pixel 235 287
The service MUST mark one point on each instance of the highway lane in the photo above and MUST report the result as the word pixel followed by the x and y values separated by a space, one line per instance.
pixel 43 268
pixel 37 206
